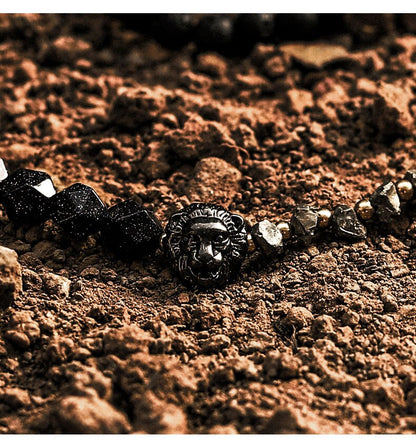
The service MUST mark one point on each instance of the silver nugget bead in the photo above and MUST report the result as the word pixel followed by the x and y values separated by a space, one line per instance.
pixel 267 237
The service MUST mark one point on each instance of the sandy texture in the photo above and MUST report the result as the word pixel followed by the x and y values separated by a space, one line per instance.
pixel 322 340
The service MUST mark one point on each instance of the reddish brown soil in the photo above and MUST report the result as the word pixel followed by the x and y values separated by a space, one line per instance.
pixel 322 340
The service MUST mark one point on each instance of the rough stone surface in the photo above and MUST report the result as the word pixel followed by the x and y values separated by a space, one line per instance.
pixel 391 109
pixel 346 223
pixel 10 277
pixel 214 180
pixel 135 107
pixel 304 223
pixel 22 330
pixel 88 415
pixel 56 285
pixel 315 56
pixel 267 238
pixel 386 202
pixel 294 421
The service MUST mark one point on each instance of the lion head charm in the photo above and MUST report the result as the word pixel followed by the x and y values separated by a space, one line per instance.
pixel 206 244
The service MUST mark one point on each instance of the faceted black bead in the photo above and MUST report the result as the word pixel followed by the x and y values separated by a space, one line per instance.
pixel 215 32
pixel 77 210
pixel 386 202
pixel 130 230
pixel 267 237
pixel 304 223
pixel 173 30
pixel 346 224
pixel 25 195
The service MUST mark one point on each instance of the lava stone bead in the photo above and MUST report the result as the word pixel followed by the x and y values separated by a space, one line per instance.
pixel 77 210
pixel 130 231
pixel 25 195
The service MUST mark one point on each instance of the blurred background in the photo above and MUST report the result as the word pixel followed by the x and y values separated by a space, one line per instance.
pixel 236 34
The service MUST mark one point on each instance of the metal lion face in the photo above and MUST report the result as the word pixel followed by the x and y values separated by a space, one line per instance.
pixel 206 243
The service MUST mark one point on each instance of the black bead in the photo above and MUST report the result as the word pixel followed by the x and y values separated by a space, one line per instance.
pixel 250 29
pixel 215 32
pixel 173 30
pixel 386 202
pixel 77 210
pixel 297 26
pixel 304 223
pixel 267 237
pixel 346 224
pixel 25 195
pixel 130 230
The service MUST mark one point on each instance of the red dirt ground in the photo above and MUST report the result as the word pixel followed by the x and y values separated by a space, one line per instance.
pixel 322 340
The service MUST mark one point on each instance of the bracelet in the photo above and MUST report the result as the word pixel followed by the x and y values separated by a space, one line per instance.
pixel 205 243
